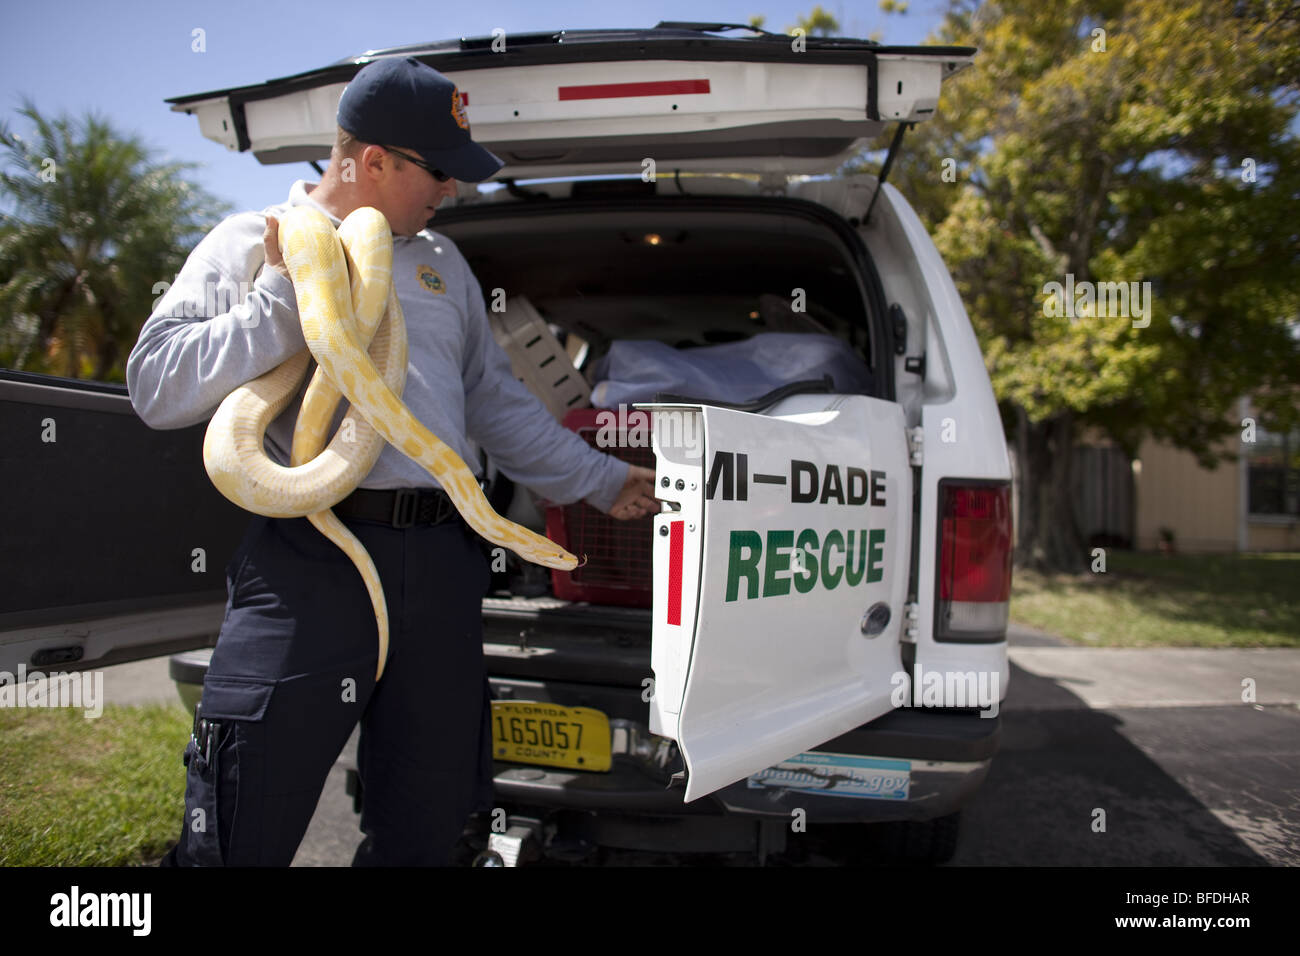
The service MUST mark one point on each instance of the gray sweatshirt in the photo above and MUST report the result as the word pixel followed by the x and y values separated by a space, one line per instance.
pixel 226 320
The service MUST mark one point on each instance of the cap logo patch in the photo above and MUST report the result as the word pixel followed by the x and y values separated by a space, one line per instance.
pixel 430 279
pixel 458 110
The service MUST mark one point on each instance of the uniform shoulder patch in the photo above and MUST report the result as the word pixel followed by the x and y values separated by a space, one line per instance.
pixel 430 279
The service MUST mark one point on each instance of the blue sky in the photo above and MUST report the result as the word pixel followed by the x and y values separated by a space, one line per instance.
pixel 122 58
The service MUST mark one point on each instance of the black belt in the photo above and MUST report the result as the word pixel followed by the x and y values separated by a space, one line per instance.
pixel 401 508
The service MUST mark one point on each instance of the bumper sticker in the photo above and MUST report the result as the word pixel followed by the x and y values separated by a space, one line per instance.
pixel 837 775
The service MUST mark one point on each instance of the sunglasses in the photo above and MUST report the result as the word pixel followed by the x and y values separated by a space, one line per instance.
pixel 437 174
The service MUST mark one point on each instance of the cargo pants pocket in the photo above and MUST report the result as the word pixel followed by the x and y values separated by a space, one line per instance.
pixel 216 757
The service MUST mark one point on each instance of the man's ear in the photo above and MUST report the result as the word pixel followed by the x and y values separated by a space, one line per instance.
pixel 374 162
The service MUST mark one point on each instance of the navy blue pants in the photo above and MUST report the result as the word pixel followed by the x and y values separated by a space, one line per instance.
pixel 294 671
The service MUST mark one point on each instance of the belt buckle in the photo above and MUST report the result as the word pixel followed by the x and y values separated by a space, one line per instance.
pixel 405 503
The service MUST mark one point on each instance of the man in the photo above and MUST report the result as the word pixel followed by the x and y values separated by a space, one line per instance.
pixel 293 669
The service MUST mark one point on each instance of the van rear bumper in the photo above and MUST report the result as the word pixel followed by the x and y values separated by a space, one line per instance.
pixel 947 755
pixel 943 755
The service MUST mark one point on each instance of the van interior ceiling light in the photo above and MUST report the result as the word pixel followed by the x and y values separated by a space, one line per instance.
pixel 666 238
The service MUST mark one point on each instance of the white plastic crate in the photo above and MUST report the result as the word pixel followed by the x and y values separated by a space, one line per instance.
pixel 538 359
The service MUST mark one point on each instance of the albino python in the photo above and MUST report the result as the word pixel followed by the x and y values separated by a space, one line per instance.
pixel 346 303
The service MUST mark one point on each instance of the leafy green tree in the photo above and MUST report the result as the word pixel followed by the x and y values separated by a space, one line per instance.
pixel 822 22
pixel 1119 141
pixel 89 222
pixel 818 23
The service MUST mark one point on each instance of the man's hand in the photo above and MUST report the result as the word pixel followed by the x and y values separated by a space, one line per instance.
pixel 637 498
pixel 271 241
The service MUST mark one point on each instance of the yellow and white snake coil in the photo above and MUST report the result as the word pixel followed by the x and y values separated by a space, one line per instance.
pixel 346 303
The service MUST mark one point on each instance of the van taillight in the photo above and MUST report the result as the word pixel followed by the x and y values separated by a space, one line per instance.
pixel 974 561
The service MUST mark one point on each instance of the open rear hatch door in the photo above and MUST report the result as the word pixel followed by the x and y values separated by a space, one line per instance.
pixel 780 577
pixel 586 102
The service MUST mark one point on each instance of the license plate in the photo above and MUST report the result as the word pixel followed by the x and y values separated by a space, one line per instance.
pixel 576 738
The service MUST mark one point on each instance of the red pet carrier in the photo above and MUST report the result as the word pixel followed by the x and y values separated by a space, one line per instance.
pixel 618 552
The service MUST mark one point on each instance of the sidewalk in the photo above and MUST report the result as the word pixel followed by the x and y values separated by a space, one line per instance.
pixel 1106 678
pixel 140 682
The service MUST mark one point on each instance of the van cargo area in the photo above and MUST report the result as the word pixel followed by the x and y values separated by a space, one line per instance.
pixel 689 271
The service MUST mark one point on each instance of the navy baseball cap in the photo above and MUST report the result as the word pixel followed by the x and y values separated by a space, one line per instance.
pixel 399 101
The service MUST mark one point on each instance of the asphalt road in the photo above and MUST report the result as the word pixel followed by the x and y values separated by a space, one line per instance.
pixel 1183 772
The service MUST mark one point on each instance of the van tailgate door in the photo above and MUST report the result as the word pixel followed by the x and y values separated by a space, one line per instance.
pixel 591 102
pixel 780 577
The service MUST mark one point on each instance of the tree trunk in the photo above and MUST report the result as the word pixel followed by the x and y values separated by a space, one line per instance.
pixel 1048 539
pixel 105 358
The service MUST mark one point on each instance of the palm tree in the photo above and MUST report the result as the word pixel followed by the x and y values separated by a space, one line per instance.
pixel 89 223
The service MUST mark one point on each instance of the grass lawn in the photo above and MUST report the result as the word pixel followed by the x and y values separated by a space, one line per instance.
pixel 1153 600
pixel 109 791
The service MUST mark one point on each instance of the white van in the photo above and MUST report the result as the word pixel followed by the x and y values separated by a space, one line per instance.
pixel 765 673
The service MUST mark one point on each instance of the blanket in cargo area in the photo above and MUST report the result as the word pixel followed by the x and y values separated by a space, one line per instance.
pixel 636 370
